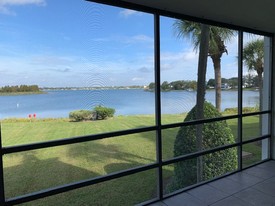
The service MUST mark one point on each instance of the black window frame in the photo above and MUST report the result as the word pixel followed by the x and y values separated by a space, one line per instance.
pixel 158 127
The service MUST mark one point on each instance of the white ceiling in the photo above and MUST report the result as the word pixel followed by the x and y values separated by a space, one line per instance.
pixel 253 14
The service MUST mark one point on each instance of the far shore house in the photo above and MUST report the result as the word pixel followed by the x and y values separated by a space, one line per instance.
pixel 225 86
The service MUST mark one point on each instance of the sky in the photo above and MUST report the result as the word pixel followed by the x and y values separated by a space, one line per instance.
pixel 75 43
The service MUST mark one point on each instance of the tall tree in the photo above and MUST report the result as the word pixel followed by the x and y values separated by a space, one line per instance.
pixel 253 56
pixel 217 38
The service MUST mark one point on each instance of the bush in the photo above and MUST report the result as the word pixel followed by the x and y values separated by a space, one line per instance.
pixel 214 134
pixel 244 110
pixel 104 112
pixel 80 115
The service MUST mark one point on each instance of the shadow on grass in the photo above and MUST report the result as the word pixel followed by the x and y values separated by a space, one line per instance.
pixel 121 153
pixel 102 154
pixel 33 174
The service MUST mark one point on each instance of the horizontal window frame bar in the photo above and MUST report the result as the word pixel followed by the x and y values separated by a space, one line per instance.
pixel 257 163
pixel 196 122
pixel 212 150
pixel 77 185
pixel 255 113
pixel 198 154
pixel 222 118
pixel 165 13
pixel 268 136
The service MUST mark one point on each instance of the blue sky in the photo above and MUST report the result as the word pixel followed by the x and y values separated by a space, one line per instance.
pixel 77 43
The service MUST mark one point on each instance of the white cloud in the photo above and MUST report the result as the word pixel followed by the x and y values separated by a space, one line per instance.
pixel 165 67
pixel 137 79
pixel 52 60
pixel 22 2
pixel 145 70
pixel 175 56
pixel 179 65
pixel 142 38
pixel 139 38
pixel 105 39
pixel 127 12
pixel 5 4
pixel 6 11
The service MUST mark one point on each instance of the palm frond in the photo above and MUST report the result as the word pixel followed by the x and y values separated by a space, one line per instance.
pixel 253 55
pixel 189 30
pixel 192 31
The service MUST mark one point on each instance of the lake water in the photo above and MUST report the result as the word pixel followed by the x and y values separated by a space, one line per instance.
pixel 126 102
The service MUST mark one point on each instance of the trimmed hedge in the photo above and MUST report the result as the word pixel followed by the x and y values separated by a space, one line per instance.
pixel 244 110
pixel 214 134
pixel 98 113
pixel 104 112
pixel 80 115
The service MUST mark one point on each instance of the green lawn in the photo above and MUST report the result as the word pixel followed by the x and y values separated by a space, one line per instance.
pixel 35 170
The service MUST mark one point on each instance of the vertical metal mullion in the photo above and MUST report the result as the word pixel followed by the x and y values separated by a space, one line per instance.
pixel 268 58
pixel 2 191
pixel 240 98
pixel 158 103
pixel 272 101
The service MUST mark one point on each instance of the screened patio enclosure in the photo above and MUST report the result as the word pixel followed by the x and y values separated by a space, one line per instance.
pixel 149 154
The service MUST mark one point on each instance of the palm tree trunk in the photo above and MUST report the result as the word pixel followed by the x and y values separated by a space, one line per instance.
pixel 203 54
pixel 218 82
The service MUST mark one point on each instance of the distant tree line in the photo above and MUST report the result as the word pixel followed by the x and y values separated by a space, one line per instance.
pixel 232 82
pixel 249 81
pixel 175 85
pixel 21 88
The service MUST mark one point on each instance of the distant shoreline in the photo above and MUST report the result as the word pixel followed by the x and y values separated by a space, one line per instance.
pixel 90 88
pixel 20 93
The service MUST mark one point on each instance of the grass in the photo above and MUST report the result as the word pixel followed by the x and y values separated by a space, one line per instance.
pixel 36 170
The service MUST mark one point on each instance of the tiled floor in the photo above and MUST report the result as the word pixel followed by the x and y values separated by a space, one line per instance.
pixel 254 186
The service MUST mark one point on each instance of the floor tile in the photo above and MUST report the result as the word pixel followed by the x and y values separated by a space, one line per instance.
pixel 158 204
pixel 231 201
pixel 269 164
pixel 228 186
pixel 267 187
pixel 183 199
pixel 255 197
pixel 207 194
pixel 272 179
pixel 260 172
pixel 245 179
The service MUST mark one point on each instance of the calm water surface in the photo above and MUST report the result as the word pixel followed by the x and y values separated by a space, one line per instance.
pixel 126 102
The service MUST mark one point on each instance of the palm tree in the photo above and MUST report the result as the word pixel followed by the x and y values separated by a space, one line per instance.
pixel 253 56
pixel 217 38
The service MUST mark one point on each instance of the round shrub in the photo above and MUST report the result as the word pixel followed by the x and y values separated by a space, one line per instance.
pixel 80 115
pixel 104 112
pixel 214 134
